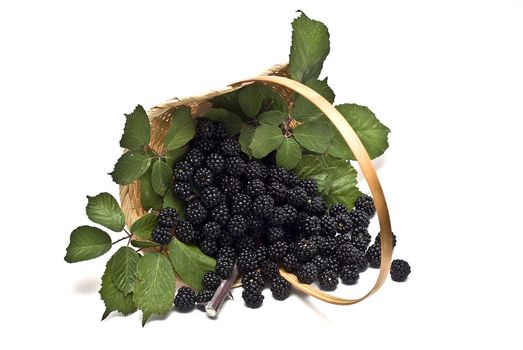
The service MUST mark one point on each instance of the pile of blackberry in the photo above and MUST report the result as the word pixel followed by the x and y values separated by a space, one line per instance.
pixel 261 217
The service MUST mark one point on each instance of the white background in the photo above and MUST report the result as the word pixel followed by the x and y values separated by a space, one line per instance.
pixel 445 76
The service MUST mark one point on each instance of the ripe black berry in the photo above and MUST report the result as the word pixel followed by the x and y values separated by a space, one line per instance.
pixel 209 247
pixel 338 209
pixel 220 214
pixel 252 299
pixel 211 230
pixel 366 205
pixel 182 189
pixel 327 245
pixel 224 267
pixel 373 256
pixel 252 281
pixel 328 280
pixel 241 204
pixel 255 170
pixel 162 235
pixel 230 147
pixel 311 225
pixel 183 171
pixel 290 263
pixel 231 186
pixel 255 188
pixel 185 299
pixel 247 261
pixel 215 162
pixel 305 250
pixel 168 217
pixel 297 197
pixel 307 273
pixel 344 224
pixel 203 177
pixel 204 296
pixel 377 240
pixel 277 251
pixel 310 186
pixel 211 280
pixel 269 270
pixel 399 270
pixel 280 288
pixel 328 226
pixel 205 129
pixel 262 206
pixel 185 232
pixel 349 274
pixel 291 213
pixel 359 219
pixel 361 239
pixel 347 254
pixel 278 191
pixel 237 226
pixel 195 157
pixel 278 217
pixel 211 197
pixel 227 252
pixel 275 234
pixel 220 131
pixel 235 166
pixel 316 206
pixel 196 213
pixel 204 145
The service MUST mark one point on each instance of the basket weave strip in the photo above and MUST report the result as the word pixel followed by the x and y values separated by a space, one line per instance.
pixel 161 115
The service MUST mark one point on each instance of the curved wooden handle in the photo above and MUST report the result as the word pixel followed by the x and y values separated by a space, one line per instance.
pixel 359 151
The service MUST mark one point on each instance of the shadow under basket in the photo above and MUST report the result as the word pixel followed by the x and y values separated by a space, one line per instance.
pixel 277 78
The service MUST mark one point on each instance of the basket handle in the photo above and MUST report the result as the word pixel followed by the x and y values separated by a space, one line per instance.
pixel 359 151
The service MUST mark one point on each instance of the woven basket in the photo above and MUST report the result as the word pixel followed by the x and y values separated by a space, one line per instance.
pixel 277 78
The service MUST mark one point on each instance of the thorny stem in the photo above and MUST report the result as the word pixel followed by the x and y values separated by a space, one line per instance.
pixel 121 239
pixel 287 129
pixel 213 307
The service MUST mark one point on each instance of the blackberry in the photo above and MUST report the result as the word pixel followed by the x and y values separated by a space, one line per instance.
pixel 377 240
pixel 241 204
pixel 237 226
pixel 252 299
pixel 291 213
pixel 366 205
pixel 215 162
pixel 280 288
pixel 204 145
pixel 343 239
pixel 211 281
pixel 185 232
pixel 347 254
pixel 344 224
pixel 231 147
pixel 361 239
pixel 328 226
pixel 205 128
pixel 220 214
pixel 203 177
pixel 269 270
pixel 332 263
pixel 182 189
pixel 255 170
pixel 211 197
pixel 195 157
pixel 255 188
pixel 284 176
pixel 183 171
pixel 338 209
pixel 399 270
pixel 275 234
pixel 373 256
pixel 168 217
pixel 277 251
pixel 306 250
pixel 224 267
pixel 359 219
pixel 231 185
pixel 328 280
pixel 252 281
pixel 220 131
pixel 262 253
pixel 297 197
pixel 209 247
pixel 245 243
pixel 256 226
pixel 204 296
pixel 227 252
pixel 310 186
pixel 278 217
pixel 290 263
pixel 327 245
pixel 185 299
pixel 235 166
pixel 321 263
pixel 162 235
pixel 211 230
pixel 316 206
pixel 196 213
pixel 349 274
pixel 307 273
pixel 311 225
pixel 247 261
pixel 262 206
pixel 278 191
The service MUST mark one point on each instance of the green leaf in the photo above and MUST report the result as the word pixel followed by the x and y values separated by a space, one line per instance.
pixel 161 177
pixel 251 99
pixel 137 131
pixel 182 129
pixel 143 227
pixel 144 244
pixel 125 264
pixel 103 209
pixel 372 133
pixel 277 102
pixel 130 167
pixel 87 242
pixel 315 166
pixel 156 283
pixel 341 184
pixel 275 118
pixel 232 121
pixel 190 263
pixel 266 139
pixel 288 154
pixel 228 101
pixel 246 138
pixel 148 197
pixel 174 156
pixel 310 46
pixel 314 136
pixel 303 110
pixel 173 201
pixel 112 297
